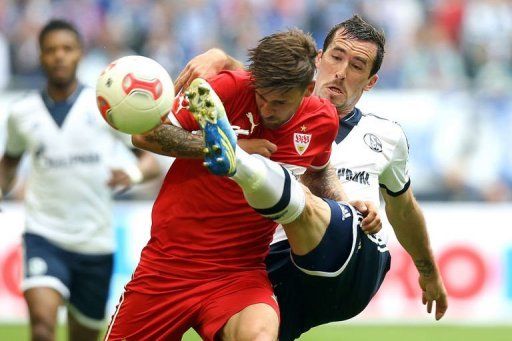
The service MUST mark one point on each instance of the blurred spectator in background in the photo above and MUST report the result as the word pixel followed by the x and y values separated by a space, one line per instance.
pixel 5 72
pixel 433 61
pixel 443 46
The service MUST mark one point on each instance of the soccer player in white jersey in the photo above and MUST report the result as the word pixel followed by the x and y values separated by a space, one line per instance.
pixel 370 152
pixel 76 161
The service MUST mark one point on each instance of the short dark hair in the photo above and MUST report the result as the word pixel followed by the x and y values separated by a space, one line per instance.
pixel 358 29
pixel 57 25
pixel 283 61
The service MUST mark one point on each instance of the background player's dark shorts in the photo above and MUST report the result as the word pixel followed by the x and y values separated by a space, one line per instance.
pixel 307 300
pixel 83 280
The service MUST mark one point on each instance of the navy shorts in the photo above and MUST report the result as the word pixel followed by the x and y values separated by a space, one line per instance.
pixel 335 281
pixel 83 280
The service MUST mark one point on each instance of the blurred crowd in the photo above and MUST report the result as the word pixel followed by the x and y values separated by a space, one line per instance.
pixel 447 46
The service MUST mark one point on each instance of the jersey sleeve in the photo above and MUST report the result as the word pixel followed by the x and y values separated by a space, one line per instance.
pixel 225 87
pixel 395 177
pixel 327 136
pixel 16 143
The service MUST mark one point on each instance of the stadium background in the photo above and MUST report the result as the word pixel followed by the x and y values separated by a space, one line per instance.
pixel 446 78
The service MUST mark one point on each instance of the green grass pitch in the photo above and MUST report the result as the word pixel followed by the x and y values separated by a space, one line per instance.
pixel 346 332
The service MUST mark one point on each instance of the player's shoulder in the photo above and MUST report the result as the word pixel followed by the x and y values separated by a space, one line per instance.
pixel 316 107
pixel 230 85
pixel 26 101
pixel 381 123
pixel 26 105
pixel 88 91
pixel 87 95
pixel 237 76
pixel 386 130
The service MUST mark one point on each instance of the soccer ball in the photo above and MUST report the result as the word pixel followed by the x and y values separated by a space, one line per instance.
pixel 134 94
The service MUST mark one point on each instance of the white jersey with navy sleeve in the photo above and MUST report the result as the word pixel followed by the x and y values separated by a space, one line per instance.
pixel 374 154
pixel 67 199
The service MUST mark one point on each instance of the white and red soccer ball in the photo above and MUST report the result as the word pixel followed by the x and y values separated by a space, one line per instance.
pixel 134 94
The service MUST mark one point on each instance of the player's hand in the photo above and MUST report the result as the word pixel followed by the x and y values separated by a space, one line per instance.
pixel 257 146
pixel 433 290
pixel 205 65
pixel 371 222
pixel 121 180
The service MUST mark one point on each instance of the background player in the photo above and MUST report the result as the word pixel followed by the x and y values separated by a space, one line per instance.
pixel 370 152
pixel 76 162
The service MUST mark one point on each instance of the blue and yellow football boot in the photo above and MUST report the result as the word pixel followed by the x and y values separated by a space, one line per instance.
pixel 219 137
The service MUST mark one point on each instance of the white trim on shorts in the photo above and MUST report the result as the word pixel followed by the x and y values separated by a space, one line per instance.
pixel 45 281
pixel 112 321
pixel 381 243
pixel 85 320
pixel 355 225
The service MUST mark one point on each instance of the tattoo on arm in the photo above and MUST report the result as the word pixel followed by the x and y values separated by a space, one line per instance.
pixel 324 183
pixel 425 267
pixel 177 141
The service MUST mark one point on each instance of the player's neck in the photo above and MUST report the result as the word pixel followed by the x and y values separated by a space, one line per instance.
pixel 60 93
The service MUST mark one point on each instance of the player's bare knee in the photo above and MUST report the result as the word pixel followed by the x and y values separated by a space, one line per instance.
pixel 42 330
pixel 257 322
pixel 256 331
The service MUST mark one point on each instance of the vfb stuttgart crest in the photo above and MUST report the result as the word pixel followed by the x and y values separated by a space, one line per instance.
pixel 301 142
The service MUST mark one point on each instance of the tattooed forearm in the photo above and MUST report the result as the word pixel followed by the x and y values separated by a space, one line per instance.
pixel 425 267
pixel 324 183
pixel 176 141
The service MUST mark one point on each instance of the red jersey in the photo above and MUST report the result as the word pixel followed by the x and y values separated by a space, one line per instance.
pixel 202 226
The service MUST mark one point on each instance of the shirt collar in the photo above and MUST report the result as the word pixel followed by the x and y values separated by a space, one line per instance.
pixel 352 119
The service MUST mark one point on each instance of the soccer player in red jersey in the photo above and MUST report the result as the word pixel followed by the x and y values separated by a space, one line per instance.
pixel 203 266
pixel 331 283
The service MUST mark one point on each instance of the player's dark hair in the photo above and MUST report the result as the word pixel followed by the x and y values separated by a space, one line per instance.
pixel 358 29
pixel 283 61
pixel 57 25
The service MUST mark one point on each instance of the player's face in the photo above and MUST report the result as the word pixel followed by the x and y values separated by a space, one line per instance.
pixel 344 71
pixel 277 107
pixel 60 54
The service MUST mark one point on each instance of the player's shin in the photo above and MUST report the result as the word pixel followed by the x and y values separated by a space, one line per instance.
pixel 269 188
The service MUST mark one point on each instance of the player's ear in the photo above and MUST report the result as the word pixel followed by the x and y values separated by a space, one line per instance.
pixel 318 57
pixel 371 83
pixel 309 89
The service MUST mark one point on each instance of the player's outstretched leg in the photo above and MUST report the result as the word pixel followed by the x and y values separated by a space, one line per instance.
pixel 269 188
pixel 219 137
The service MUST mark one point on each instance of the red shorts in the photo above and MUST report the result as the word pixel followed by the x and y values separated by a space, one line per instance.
pixel 206 308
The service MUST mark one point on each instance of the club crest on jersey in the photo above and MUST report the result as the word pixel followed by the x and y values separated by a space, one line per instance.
pixel 373 142
pixel 301 142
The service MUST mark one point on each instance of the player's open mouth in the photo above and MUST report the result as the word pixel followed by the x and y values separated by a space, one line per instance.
pixel 335 90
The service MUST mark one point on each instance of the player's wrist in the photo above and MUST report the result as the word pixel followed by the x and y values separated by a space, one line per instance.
pixel 135 174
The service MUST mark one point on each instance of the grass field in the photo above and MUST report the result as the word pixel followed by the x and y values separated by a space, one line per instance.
pixel 345 332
